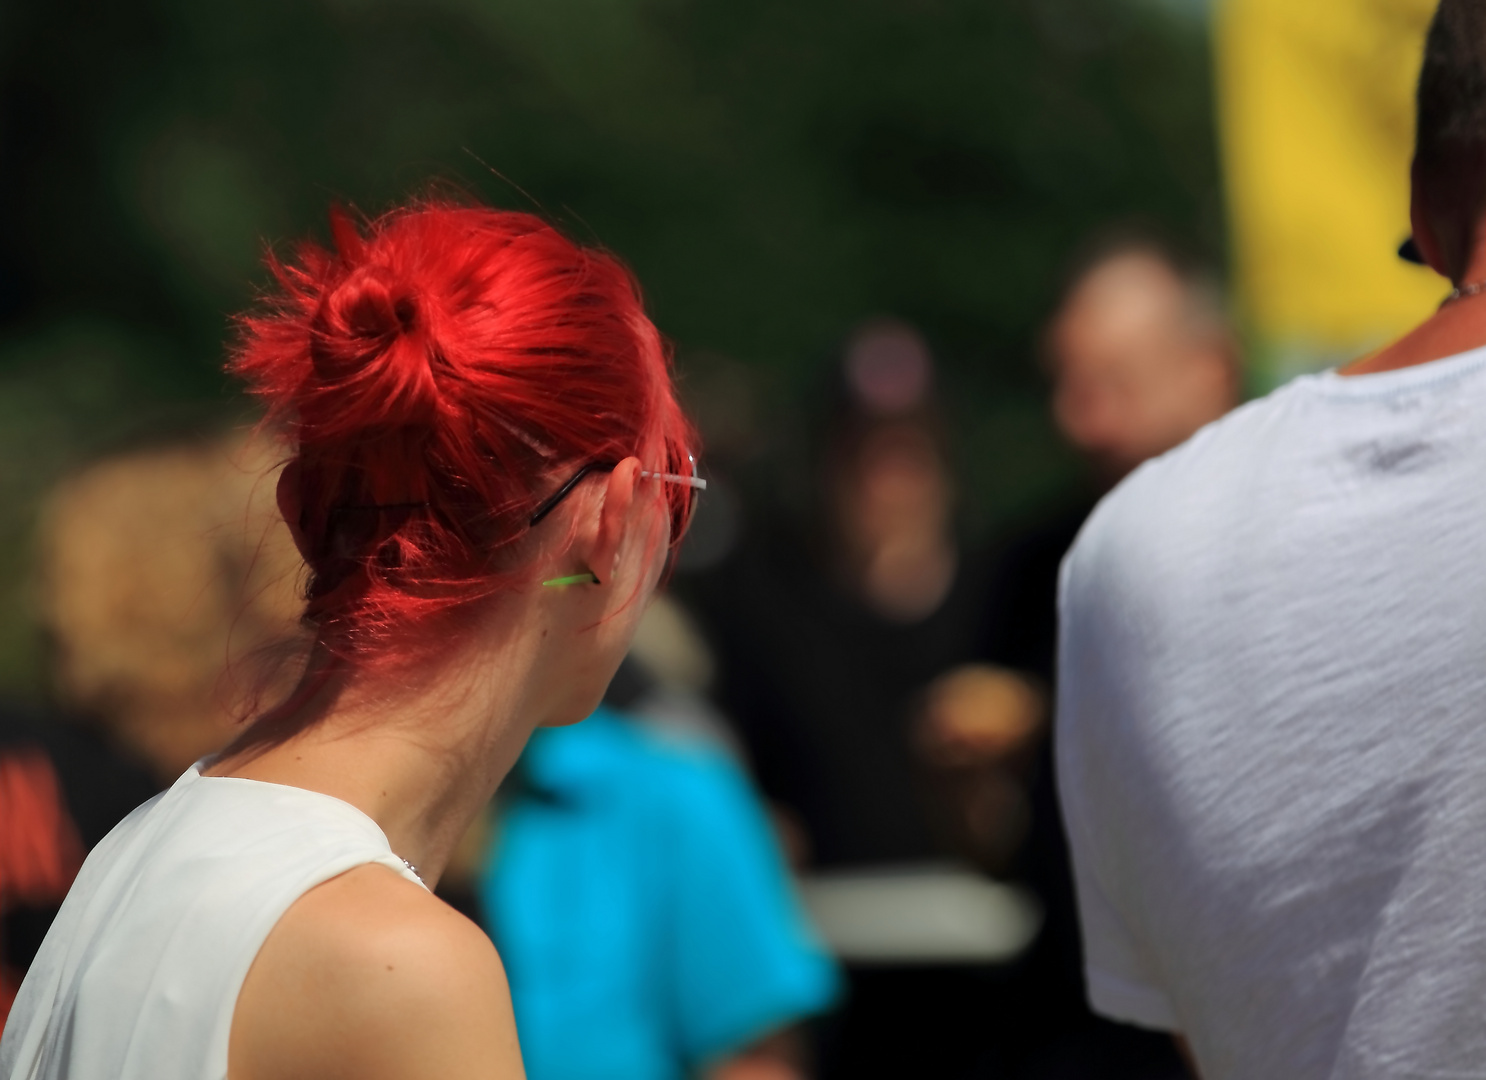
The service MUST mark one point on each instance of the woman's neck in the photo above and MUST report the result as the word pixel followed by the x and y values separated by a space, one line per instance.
pixel 421 764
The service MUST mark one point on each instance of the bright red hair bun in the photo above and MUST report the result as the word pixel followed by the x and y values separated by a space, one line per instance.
pixel 438 377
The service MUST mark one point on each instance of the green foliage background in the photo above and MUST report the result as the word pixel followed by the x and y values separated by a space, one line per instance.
pixel 774 170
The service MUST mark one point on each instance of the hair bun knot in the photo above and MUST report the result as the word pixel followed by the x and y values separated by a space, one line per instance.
pixel 369 342
pixel 371 303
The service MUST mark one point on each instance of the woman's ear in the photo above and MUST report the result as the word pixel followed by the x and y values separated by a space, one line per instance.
pixel 614 517
pixel 291 507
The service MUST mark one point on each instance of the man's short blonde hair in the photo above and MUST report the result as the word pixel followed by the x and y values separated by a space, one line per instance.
pixel 161 571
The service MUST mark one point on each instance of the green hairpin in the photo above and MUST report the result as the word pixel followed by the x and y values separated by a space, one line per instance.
pixel 589 578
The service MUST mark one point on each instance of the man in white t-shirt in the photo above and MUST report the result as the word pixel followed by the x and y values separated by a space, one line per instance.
pixel 1272 689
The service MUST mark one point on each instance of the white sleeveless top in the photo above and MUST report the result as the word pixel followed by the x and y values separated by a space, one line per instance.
pixel 139 975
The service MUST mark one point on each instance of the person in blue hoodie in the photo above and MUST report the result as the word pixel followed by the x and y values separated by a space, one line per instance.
pixel 644 911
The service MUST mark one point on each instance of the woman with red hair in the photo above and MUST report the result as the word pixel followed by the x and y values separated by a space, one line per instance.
pixel 489 467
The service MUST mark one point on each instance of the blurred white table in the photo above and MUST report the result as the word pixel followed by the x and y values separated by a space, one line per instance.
pixel 940 914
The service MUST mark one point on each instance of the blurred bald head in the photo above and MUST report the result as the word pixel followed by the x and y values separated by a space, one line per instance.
pixel 1141 358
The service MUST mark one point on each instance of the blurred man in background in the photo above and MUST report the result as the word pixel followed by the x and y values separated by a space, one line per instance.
pixel 1141 357
pixel 824 634
pixel 827 636
pixel 1271 687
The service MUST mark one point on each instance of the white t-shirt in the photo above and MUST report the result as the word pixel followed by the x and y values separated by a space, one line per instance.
pixel 139 975
pixel 1272 733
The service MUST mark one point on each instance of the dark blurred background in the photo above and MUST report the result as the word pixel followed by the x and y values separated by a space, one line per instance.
pixel 774 171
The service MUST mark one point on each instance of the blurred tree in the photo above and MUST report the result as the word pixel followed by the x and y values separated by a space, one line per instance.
pixel 775 171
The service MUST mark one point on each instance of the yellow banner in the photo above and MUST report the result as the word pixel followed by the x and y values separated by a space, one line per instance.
pixel 1316 110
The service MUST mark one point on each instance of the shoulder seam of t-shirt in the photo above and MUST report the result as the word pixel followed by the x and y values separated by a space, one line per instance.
pixel 1427 376
pixel 1123 999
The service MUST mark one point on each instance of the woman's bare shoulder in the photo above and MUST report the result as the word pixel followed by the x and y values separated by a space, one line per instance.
pixel 370 976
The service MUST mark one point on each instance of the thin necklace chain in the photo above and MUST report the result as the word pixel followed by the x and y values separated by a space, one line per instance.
pixel 1460 292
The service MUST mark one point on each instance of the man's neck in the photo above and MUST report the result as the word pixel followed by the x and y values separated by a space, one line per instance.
pixel 1458 326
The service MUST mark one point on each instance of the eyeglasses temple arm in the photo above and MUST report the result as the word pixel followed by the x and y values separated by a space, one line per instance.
pixel 676 478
